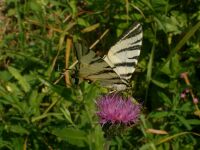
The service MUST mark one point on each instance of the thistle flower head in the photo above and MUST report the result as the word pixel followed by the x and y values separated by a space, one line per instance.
pixel 115 109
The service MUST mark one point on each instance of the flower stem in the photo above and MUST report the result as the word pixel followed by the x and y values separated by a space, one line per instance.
pixel 107 145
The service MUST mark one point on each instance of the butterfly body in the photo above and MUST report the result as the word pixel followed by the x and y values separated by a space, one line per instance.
pixel 115 69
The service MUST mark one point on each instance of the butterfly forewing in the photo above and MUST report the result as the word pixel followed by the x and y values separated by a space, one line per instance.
pixel 123 56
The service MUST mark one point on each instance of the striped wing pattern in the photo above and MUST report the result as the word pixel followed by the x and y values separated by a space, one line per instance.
pixel 123 56
pixel 94 68
pixel 115 69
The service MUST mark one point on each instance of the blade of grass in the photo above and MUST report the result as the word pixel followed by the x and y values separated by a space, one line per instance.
pixel 20 25
pixel 44 116
pixel 67 56
pixel 174 136
pixel 127 9
pixel 90 28
pixel 149 71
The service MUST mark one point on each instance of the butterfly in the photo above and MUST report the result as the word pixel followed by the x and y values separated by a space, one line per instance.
pixel 115 69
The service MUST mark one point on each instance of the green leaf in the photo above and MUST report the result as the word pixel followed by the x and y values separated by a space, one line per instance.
pixel 67 115
pixel 22 81
pixel 160 114
pixel 165 98
pixel 186 107
pixel 184 121
pixel 166 68
pixel 5 144
pixel 159 83
pixel 193 121
pixel 18 129
pixel 73 136
pixel 5 75
pixel 148 146
pixel 73 5
pixel 35 6
pixel 83 22
pixel 175 65
pixel 35 100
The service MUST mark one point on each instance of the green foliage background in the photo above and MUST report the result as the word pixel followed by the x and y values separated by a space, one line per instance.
pixel 37 112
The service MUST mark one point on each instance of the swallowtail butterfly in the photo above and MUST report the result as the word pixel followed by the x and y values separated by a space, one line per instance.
pixel 115 69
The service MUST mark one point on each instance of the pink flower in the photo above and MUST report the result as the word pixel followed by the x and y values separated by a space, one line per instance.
pixel 113 108
pixel 187 90
pixel 183 95
pixel 183 75
pixel 195 100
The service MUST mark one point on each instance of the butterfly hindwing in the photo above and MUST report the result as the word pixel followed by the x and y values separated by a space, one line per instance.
pixel 94 68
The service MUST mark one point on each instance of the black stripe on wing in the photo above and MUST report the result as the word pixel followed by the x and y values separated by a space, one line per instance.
pixel 121 83
pixel 117 81
pixel 136 47
pixel 132 33
pixel 98 60
pixel 102 72
pixel 126 75
pixel 125 64
pixel 137 41
pixel 134 57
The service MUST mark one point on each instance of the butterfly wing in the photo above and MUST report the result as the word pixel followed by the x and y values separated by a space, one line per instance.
pixel 94 68
pixel 123 56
